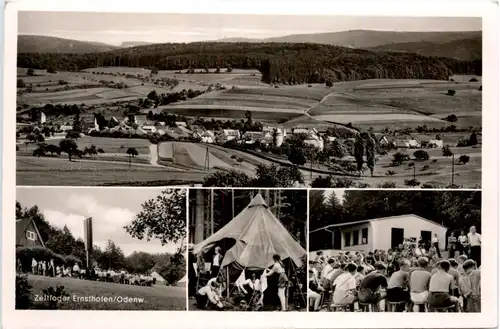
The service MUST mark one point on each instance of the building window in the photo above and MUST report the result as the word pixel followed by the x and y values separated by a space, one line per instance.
pixel 347 239
pixel 355 238
pixel 364 236
pixel 30 235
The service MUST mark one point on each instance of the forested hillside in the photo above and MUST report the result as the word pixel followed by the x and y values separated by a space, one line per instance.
pixel 278 62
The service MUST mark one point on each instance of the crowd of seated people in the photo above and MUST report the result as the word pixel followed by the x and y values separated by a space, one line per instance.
pixel 401 280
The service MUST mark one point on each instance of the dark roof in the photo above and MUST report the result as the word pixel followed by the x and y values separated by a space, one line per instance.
pixel 21 227
pixel 372 220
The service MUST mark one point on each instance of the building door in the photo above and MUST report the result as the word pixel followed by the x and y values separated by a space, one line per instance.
pixel 397 237
pixel 337 239
pixel 427 237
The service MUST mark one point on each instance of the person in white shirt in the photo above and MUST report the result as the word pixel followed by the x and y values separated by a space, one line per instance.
pixel 345 286
pixel 475 245
pixel 435 244
pixel 34 266
pixel 76 270
pixel 208 293
pixel 463 243
pixel 328 268
pixel 44 267
pixel 216 261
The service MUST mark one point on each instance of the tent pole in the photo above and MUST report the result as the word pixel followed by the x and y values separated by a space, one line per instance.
pixel 227 281
pixel 232 203
pixel 211 212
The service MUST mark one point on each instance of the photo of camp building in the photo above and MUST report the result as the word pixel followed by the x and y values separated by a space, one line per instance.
pixel 394 251
pixel 247 250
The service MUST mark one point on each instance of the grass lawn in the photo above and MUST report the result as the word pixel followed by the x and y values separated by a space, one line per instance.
pixel 157 297
pixel 60 171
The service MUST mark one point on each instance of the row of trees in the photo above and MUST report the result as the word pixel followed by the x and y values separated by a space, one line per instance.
pixel 278 62
pixel 454 209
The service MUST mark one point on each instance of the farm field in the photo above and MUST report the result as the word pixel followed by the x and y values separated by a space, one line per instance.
pixel 109 145
pixel 59 171
pixel 157 297
pixel 401 103
pixel 267 103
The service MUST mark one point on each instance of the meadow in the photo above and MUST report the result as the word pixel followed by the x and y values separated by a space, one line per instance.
pixel 157 297
pixel 59 171
pixel 401 103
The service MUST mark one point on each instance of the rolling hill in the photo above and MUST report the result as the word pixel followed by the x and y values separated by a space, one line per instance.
pixel 464 49
pixel 368 38
pixel 466 45
pixel 45 44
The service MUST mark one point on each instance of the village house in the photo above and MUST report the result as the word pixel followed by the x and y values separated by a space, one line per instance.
pixel 208 137
pixel 384 141
pixel 435 143
pixel 180 123
pixel 382 233
pixel 27 234
pixel 226 135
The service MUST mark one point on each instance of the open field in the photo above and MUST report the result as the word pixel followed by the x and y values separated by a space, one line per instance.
pixel 401 103
pixel 286 102
pixel 109 145
pixel 59 171
pixel 157 297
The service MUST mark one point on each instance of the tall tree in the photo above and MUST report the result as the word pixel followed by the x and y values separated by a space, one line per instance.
pixel 162 218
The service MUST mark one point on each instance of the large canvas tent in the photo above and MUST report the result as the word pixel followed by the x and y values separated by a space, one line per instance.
pixel 157 276
pixel 258 235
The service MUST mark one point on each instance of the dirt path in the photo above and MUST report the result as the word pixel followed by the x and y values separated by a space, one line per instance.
pixel 153 155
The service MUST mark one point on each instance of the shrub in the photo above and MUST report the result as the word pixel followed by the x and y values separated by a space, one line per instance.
pixel 20 83
pixel 434 160
pixel 23 293
pixel 324 182
pixel 421 155
pixel 387 185
pixel 363 185
pixel 424 168
pixel 100 150
pixel 447 152
pixel 399 158
pixel 412 182
pixel 480 88
pixel 39 152
pixel 451 92
pixel 342 182
pixel 390 173
pixel 473 79
pixel 463 159
pixel 411 164
pixel 230 178
pixel 451 117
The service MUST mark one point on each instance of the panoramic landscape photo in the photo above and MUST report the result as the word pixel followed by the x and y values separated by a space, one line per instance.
pixel 248 100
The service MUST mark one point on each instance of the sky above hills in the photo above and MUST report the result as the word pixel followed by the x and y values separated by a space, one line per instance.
pixel 110 209
pixel 115 28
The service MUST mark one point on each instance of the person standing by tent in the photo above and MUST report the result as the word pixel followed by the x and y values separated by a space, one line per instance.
pixel 475 245
pixel 192 274
pixel 279 269
pixel 216 261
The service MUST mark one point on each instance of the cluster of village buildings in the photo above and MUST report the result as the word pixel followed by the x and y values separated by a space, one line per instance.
pixel 270 135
